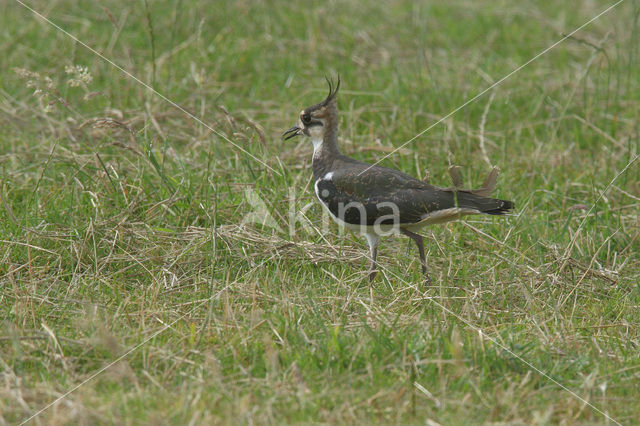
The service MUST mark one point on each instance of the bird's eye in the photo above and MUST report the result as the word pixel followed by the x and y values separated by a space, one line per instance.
pixel 306 118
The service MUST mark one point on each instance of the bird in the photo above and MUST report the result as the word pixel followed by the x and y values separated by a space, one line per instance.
pixel 377 201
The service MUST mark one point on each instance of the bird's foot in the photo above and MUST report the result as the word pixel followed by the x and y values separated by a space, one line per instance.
pixel 372 274
pixel 427 279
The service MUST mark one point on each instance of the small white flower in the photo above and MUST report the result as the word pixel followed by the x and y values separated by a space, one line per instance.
pixel 49 83
pixel 80 76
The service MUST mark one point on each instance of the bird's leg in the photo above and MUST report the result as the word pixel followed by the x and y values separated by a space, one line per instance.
pixel 373 271
pixel 423 258
pixel 372 239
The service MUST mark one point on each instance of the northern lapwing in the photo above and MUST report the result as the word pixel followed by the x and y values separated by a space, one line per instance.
pixel 376 200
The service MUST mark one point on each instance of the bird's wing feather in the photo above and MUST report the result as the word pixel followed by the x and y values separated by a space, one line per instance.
pixel 385 196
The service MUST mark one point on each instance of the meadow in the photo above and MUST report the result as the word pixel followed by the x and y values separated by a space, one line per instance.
pixel 150 270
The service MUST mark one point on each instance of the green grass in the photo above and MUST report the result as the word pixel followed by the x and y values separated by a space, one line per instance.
pixel 112 230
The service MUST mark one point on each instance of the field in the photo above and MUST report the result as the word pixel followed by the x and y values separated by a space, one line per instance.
pixel 164 258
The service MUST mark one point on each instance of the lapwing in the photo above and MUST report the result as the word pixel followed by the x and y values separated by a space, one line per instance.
pixel 375 200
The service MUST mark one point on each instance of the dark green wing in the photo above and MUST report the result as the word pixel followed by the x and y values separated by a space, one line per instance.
pixel 361 195
pixel 380 195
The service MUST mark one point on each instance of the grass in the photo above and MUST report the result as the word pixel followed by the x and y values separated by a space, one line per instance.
pixel 121 218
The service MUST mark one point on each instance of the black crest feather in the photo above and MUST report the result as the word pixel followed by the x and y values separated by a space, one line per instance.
pixel 332 92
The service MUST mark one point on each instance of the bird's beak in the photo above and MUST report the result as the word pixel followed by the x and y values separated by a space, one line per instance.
pixel 292 132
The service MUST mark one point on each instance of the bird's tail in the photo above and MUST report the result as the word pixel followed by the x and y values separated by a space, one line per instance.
pixel 484 205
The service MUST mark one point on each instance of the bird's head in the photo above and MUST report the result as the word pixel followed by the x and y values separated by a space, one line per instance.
pixel 316 120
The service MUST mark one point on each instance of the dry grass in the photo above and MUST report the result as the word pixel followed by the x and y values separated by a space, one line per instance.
pixel 123 222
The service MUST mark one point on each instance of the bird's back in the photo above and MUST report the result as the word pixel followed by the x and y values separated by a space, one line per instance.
pixel 392 193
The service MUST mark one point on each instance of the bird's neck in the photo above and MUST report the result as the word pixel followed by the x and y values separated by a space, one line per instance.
pixel 325 150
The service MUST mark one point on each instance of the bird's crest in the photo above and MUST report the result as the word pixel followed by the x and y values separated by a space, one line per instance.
pixel 332 91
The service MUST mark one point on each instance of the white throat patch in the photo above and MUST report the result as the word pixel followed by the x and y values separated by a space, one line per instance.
pixel 316 134
pixel 317 145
